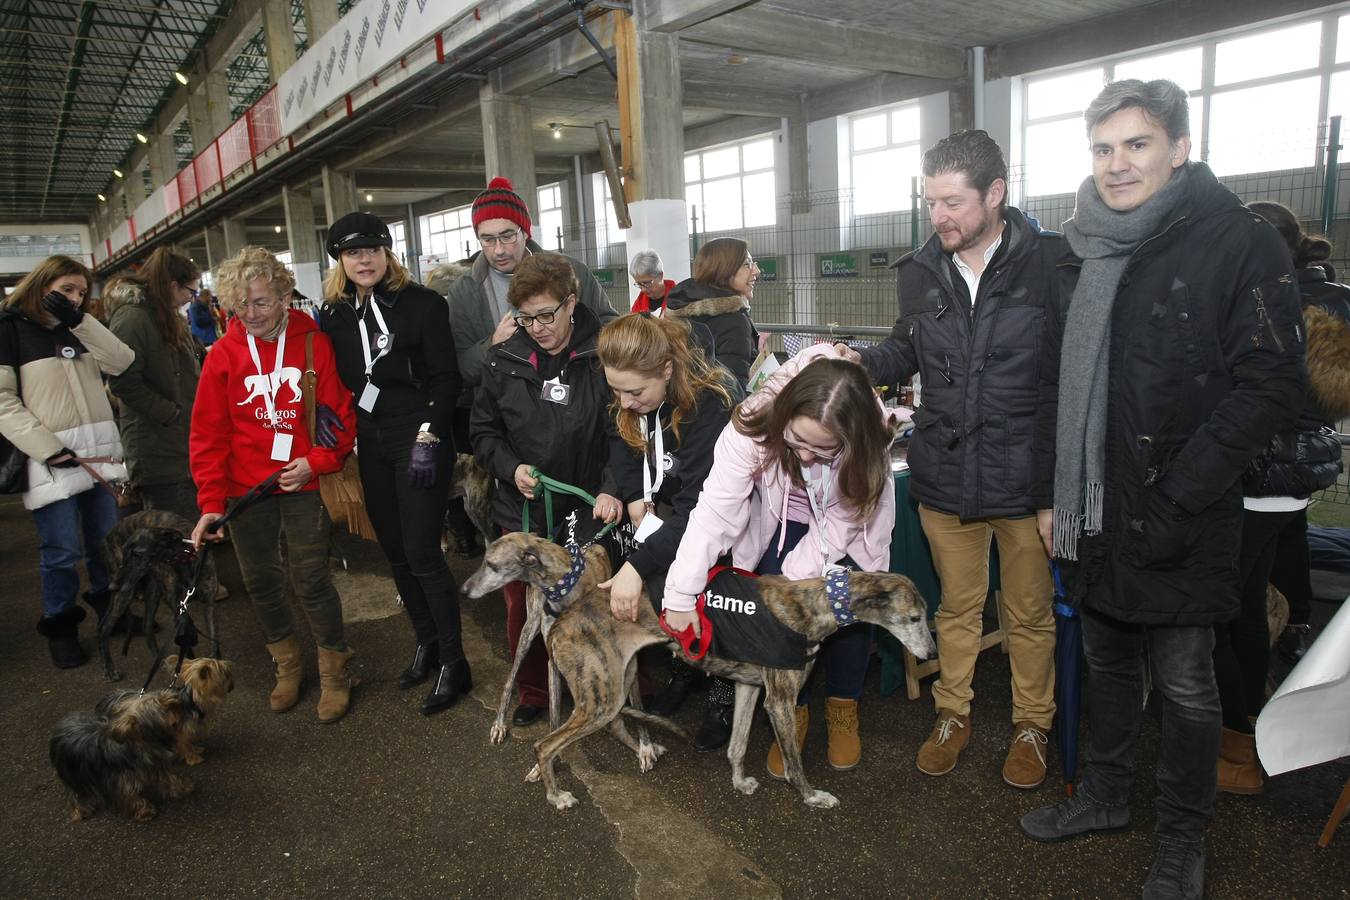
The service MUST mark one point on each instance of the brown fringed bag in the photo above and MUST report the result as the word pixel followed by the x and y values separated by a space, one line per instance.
pixel 341 491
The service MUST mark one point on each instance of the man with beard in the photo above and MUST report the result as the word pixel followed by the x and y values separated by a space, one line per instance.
pixel 972 304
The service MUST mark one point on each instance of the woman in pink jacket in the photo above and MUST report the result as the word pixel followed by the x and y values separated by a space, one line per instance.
pixel 800 483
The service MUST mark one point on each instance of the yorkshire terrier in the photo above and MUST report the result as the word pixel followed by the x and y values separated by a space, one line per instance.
pixel 120 755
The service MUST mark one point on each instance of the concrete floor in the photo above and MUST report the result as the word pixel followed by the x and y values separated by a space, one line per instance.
pixel 387 803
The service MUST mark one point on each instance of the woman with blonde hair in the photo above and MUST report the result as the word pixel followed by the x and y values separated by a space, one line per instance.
pixel 718 296
pixel 396 356
pixel 248 422
pixel 54 410
pixel 155 393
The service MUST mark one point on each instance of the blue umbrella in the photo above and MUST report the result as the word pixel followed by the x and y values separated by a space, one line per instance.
pixel 1068 679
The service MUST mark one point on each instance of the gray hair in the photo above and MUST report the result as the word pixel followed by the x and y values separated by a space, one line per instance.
pixel 646 262
pixel 1161 100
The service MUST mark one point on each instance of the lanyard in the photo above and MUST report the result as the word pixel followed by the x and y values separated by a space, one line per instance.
pixel 654 474
pixel 373 305
pixel 270 390
pixel 818 511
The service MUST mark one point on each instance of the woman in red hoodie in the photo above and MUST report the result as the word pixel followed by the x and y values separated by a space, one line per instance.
pixel 249 421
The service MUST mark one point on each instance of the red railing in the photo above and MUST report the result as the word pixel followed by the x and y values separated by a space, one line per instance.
pixel 207 165
pixel 235 152
pixel 187 184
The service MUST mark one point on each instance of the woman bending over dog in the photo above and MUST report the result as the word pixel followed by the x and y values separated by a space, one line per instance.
pixel 800 485
pixel 248 422
pixel 542 405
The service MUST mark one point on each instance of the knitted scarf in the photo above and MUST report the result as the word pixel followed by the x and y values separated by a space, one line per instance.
pixel 1103 239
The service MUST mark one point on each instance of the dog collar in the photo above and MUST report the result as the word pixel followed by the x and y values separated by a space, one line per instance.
pixel 841 598
pixel 553 596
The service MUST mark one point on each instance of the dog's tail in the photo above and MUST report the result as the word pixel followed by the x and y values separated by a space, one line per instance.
pixel 647 718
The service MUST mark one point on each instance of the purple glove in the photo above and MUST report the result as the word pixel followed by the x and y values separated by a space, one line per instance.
pixel 422 465
pixel 326 426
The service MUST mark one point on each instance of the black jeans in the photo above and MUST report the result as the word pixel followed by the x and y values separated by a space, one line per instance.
pixel 1291 572
pixel 1242 646
pixel 408 523
pixel 1181 662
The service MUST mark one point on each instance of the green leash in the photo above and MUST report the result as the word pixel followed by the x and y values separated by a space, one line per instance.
pixel 553 486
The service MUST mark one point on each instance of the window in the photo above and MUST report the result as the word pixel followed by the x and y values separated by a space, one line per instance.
pixel 284 257
pixel 884 157
pixel 607 230
pixel 548 230
pixel 448 235
pixel 732 186
pixel 396 231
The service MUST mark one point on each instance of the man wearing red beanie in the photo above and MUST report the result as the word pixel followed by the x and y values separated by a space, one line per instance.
pixel 480 317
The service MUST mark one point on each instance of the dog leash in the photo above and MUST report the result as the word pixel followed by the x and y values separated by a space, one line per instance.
pixel 86 464
pixel 554 486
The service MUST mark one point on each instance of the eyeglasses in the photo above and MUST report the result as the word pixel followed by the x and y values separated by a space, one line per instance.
pixel 358 252
pixel 649 283
pixel 543 318
pixel 193 292
pixel 749 263
pixel 506 238
pixel 827 455
pixel 261 306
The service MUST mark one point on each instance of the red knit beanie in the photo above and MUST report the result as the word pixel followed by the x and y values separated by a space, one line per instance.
pixel 500 201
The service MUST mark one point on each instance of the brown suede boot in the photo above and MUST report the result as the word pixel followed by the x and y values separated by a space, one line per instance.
pixel 1239 769
pixel 335 684
pixel 775 760
pixel 951 733
pixel 286 655
pixel 841 720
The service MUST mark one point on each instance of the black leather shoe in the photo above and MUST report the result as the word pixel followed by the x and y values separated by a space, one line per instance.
pixel 63 642
pixel 1292 644
pixel 451 681
pixel 715 731
pixel 465 545
pixel 684 680
pixel 426 658
pixel 1072 816
pixel 526 714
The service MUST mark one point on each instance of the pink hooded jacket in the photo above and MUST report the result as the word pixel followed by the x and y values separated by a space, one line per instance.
pixel 742 511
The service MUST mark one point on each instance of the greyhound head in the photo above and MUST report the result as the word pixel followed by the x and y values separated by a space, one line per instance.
pixel 517 557
pixel 892 601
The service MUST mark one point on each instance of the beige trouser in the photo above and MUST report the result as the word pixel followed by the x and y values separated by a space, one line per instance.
pixel 961 557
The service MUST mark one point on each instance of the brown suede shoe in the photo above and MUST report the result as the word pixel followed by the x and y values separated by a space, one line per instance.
pixel 951 733
pixel 1239 768
pixel 841 720
pixel 1025 765
pixel 775 760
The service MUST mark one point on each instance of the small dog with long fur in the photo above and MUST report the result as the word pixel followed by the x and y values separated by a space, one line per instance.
pixel 121 754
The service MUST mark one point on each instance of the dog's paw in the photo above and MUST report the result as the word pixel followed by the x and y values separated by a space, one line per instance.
pixel 532 776
pixel 648 755
pixel 821 800
pixel 80 813
pixel 562 799
pixel 498 733
pixel 194 758
pixel 179 787
pixel 746 785
pixel 144 812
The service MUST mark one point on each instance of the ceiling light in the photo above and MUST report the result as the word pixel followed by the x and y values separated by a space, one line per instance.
pixel 370 198
pixel 102 198
pixel 142 138
pixel 557 130
pixel 117 172
pixel 277 229
pixel 735 59
pixel 182 79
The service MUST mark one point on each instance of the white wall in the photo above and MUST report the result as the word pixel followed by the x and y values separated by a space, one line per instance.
pixel 18 257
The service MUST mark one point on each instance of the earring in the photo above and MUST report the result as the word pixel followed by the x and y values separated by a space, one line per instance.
pixel 571 320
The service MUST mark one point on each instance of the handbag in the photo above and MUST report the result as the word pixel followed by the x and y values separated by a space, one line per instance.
pixel 13 461
pixel 340 491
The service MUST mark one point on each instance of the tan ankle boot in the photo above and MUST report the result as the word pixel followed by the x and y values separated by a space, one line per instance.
pixel 286 655
pixel 841 720
pixel 335 684
pixel 775 760
pixel 1239 769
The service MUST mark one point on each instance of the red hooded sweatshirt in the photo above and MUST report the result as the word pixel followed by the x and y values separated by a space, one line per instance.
pixel 231 445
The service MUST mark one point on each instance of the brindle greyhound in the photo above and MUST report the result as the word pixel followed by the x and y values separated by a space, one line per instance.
pixel 596 653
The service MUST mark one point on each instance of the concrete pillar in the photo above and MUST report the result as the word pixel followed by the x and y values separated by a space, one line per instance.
pixel 160 156
pixel 650 124
pixel 218 101
pixel 508 145
pixel 413 243
pixel 216 251
pixel 339 193
pixel 320 16
pixel 304 243
pixel 794 128
pixel 236 236
pixel 279 36
pixel 135 187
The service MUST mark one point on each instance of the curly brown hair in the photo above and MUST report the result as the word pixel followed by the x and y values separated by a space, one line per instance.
pixel 543 273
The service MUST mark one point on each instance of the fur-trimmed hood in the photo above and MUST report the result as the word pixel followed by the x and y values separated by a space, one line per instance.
pixel 121 292
pixel 1328 354
pixel 688 300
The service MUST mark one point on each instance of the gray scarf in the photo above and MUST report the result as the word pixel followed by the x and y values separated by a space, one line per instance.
pixel 1103 239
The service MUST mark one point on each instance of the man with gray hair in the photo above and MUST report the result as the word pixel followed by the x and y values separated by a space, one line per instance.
pixel 1177 359
pixel 649 274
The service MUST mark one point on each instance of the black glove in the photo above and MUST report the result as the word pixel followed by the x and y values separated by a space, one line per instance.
pixel 65 459
pixel 326 426
pixel 422 465
pixel 60 306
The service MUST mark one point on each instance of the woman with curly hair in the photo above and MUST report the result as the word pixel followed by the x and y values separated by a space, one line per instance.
pixel 248 422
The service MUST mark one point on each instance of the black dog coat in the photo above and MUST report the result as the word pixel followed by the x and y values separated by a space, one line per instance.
pixel 743 627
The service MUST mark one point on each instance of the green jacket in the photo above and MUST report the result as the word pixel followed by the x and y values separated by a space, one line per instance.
pixel 154 393
pixel 472 321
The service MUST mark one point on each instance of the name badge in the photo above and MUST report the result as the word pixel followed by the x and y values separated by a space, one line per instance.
pixel 651 523
pixel 368 397
pixel 281 446
pixel 555 391
pixel 68 352
pixel 381 341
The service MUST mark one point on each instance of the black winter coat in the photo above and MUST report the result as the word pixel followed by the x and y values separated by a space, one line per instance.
pixel 735 339
pixel 971 452
pixel 511 423
pixel 419 377
pixel 1206 365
